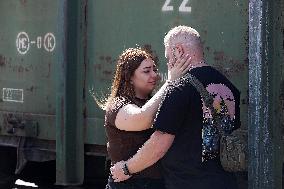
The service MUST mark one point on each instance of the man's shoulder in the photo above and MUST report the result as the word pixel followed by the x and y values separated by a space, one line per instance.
pixel 179 85
pixel 210 75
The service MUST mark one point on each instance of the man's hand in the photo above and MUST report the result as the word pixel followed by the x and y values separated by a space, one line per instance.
pixel 117 172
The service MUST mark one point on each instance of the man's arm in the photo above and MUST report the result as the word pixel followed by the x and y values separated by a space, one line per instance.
pixel 153 150
pixel 168 122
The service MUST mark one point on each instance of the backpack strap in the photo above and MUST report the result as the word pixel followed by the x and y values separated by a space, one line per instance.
pixel 206 96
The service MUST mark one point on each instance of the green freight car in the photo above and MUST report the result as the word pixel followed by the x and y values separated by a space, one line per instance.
pixel 54 55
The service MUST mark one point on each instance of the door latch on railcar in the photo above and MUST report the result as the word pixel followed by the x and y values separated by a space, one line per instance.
pixel 19 127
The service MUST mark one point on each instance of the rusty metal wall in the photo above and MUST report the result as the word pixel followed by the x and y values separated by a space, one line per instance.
pixel 54 55
pixel 27 72
pixel 31 44
pixel 223 26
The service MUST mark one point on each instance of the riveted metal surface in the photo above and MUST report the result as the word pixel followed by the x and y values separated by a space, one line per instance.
pixel 38 98
pixel 27 58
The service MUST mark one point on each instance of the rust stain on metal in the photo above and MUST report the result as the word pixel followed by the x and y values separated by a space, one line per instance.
pixel 103 70
pixel 85 112
pixel 107 72
pixel 148 48
pixel 177 21
pixel 281 105
pixel 85 42
pixel 21 69
pixel 101 79
pixel 97 67
pixel 283 40
pixel 31 89
pixel 86 13
pixel 281 96
pixel 24 2
pixel 48 71
pixel 108 59
pixel 219 56
pixel 62 123
pixel 31 67
pixel 15 68
pixel 227 65
pixel 2 61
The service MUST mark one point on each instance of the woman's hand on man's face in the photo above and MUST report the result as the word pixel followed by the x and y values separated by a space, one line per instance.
pixel 179 68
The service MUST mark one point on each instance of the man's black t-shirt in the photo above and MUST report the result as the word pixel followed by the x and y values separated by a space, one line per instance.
pixel 181 114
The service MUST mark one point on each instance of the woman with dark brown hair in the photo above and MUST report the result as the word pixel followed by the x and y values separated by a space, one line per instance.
pixel 130 111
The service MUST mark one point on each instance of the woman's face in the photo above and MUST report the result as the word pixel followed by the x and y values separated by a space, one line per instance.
pixel 145 78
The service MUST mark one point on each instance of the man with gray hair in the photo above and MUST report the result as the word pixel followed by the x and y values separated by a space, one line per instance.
pixel 179 140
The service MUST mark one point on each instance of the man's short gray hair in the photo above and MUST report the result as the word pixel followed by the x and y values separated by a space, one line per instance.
pixel 184 34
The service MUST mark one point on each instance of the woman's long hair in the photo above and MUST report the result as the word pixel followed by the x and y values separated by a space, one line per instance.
pixel 127 63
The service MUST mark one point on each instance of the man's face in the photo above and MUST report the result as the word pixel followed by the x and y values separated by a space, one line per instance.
pixel 173 53
pixel 170 55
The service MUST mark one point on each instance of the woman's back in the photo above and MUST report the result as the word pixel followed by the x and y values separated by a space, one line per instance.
pixel 122 145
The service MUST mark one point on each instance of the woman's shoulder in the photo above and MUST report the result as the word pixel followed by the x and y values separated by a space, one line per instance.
pixel 116 103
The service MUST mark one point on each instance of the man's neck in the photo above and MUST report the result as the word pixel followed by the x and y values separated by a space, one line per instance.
pixel 198 61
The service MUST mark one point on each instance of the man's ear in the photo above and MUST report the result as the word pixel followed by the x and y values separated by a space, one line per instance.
pixel 178 50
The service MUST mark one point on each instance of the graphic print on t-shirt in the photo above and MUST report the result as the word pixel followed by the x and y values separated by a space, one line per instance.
pixel 224 105
pixel 220 92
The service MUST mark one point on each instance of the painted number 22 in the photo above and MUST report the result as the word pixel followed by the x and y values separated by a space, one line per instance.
pixel 182 7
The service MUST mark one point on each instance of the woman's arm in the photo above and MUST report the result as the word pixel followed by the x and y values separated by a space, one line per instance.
pixel 134 118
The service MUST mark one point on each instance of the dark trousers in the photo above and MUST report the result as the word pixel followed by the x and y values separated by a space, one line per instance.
pixel 136 183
